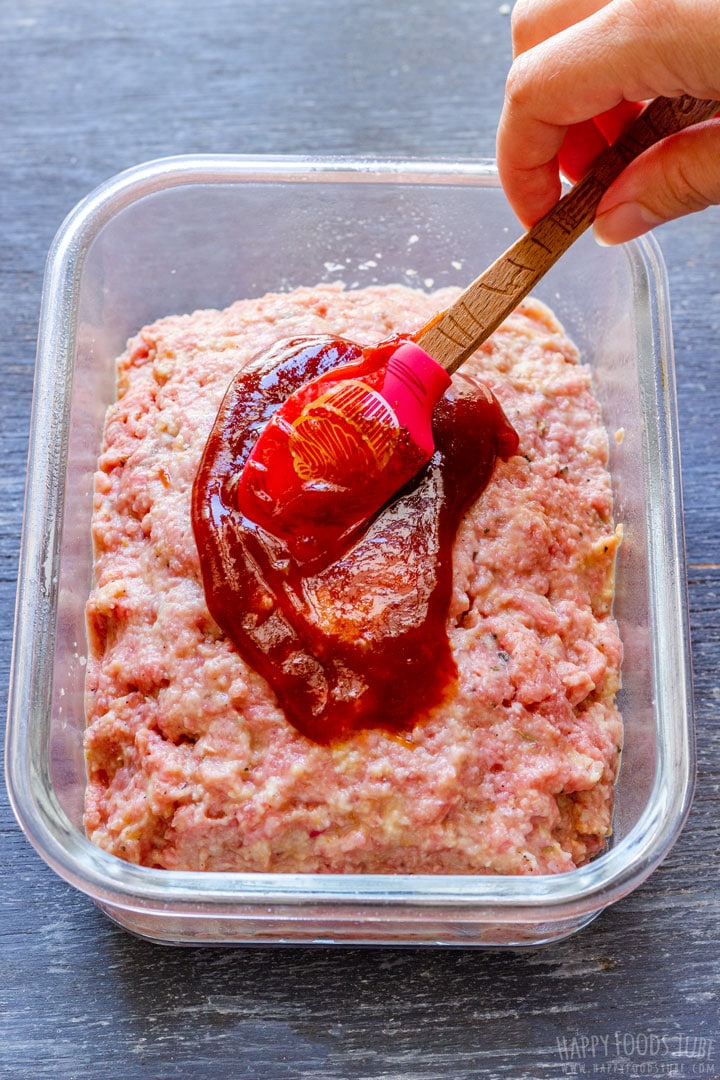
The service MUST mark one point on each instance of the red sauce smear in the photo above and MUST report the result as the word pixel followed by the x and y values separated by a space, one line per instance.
pixel 330 456
pixel 344 615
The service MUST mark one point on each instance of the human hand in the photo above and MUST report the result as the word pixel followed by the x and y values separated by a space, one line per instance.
pixel 581 70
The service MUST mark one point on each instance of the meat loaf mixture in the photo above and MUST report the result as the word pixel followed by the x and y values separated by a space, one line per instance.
pixel 191 763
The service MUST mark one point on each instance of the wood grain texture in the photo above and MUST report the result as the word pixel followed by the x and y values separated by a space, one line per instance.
pixel 88 88
pixel 455 334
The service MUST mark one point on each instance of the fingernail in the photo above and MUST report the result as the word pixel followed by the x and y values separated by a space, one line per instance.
pixel 623 222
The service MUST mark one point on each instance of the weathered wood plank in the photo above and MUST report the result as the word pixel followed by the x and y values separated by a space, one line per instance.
pixel 88 88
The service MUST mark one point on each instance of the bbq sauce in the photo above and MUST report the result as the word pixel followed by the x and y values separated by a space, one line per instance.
pixel 336 450
pixel 343 614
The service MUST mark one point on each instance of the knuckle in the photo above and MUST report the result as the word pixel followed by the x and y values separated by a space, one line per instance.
pixel 518 84
pixel 687 185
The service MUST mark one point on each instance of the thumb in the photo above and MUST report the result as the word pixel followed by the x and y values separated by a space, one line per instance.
pixel 677 176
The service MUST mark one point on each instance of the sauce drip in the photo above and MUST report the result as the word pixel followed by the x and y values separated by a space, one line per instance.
pixel 344 616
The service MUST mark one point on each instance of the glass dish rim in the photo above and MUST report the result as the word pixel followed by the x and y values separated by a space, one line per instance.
pixel 108 879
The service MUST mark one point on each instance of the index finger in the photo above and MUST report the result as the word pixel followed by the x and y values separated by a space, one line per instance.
pixel 614 54
pixel 534 21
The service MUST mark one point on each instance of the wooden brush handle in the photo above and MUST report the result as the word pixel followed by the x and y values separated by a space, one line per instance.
pixel 455 333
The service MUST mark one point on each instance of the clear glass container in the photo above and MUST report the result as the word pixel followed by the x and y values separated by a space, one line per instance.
pixel 184 233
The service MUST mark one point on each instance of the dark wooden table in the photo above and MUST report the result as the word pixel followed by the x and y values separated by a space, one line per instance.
pixel 88 88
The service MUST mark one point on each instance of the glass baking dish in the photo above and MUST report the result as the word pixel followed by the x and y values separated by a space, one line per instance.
pixel 184 233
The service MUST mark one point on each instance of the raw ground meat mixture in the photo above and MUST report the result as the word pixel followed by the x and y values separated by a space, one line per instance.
pixel 192 765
